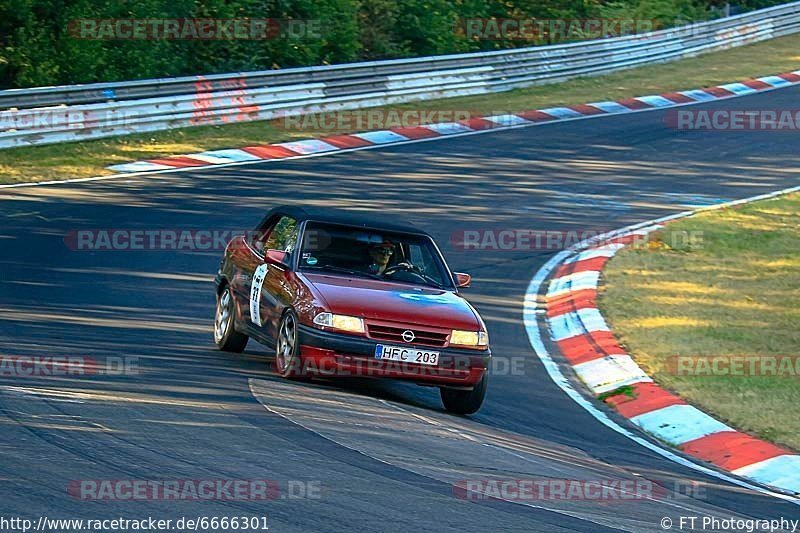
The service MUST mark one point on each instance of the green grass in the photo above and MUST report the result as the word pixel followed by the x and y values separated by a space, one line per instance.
pixel 84 159
pixel 735 292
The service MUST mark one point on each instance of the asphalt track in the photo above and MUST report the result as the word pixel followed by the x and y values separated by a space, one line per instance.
pixel 385 454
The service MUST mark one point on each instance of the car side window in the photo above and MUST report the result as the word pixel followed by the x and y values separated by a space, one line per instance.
pixel 282 236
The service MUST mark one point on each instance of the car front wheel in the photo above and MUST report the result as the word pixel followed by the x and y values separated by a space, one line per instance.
pixel 288 361
pixel 225 335
pixel 465 402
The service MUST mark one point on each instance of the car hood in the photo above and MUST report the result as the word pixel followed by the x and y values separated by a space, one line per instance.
pixel 395 302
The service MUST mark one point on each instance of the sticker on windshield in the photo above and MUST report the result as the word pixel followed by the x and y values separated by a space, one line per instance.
pixel 255 293
pixel 311 261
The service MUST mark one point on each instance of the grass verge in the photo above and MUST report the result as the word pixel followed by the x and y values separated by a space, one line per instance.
pixel 85 159
pixel 734 292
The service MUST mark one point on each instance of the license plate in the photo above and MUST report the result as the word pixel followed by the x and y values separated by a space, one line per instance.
pixel 406 355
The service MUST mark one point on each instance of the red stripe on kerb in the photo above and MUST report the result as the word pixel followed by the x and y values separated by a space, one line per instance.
pixel 180 161
pixel 478 123
pixel 586 299
pixel 568 297
pixel 586 265
pixel 731 449
pixel 647 397
pixel 415 132
pixel 633 103
pixel 757 85
pixel 588 347
pixel 719 92
pixel 586 109
pixel 346 141
pixel 790 76
pixel 269 151
pixel 535 116
pixel 678 98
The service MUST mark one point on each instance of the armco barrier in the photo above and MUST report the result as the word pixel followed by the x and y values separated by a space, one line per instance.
pixel 79 112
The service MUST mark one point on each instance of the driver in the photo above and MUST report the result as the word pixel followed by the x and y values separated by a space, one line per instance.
pixel 380 254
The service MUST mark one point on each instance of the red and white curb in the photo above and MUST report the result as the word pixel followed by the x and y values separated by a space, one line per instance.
pixel 371 139
pixel 584 339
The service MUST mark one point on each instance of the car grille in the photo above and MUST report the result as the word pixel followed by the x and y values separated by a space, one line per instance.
pixel 391 334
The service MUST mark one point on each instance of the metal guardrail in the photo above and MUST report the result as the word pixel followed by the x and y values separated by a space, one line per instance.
pixel 79 112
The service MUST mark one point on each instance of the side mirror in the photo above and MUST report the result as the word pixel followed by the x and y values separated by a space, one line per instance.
pixel 276 256
pixel 462 280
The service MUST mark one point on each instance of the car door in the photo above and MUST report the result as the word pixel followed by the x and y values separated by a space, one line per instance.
pixel 246 255
pixel 270 289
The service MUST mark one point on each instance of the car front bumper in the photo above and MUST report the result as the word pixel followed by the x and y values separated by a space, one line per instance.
pixel 330 354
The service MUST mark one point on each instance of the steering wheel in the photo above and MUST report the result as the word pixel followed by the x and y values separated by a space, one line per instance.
pixel 405 266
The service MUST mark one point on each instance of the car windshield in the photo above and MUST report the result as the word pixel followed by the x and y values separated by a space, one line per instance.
pixel 373 254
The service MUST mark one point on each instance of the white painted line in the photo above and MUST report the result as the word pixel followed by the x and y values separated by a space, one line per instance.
pixel 610 373
pixel 136 166
pixel 561 112
pixel 530 317
pixel 656 101
pixel 738 88
pixel 574 323
pixel 775 81
pixel 381 137
pixel 699 95
pixel 309 146
pixel 592 320
pixel 508 120
pixel 565 326
pixel 612 107
pixel 207 158
pixel 448 128
pixel 782 472
pixel 678 424
pixel 573 282
pixel 232 154
pixel 608 250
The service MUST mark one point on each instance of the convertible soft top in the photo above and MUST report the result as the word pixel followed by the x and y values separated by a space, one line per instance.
pixel 347 218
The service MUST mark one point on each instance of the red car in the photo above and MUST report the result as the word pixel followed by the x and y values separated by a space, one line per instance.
pixel 342 295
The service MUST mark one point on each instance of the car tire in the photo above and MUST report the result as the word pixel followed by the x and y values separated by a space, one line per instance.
pixel 288 361
pixel 225 335
pixel 465 402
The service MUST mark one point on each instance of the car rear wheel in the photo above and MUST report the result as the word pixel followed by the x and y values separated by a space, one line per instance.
pixel 465 402
pixel 288 362
pixel 225 335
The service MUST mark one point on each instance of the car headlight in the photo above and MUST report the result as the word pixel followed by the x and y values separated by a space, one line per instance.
pixel 340 322
pixel 473 339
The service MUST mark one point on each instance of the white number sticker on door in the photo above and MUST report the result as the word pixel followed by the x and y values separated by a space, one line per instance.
pixel 255 293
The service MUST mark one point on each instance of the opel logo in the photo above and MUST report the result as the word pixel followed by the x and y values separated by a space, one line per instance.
pixel 408 335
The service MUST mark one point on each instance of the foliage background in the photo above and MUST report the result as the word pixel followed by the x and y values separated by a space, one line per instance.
pixel 36 48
